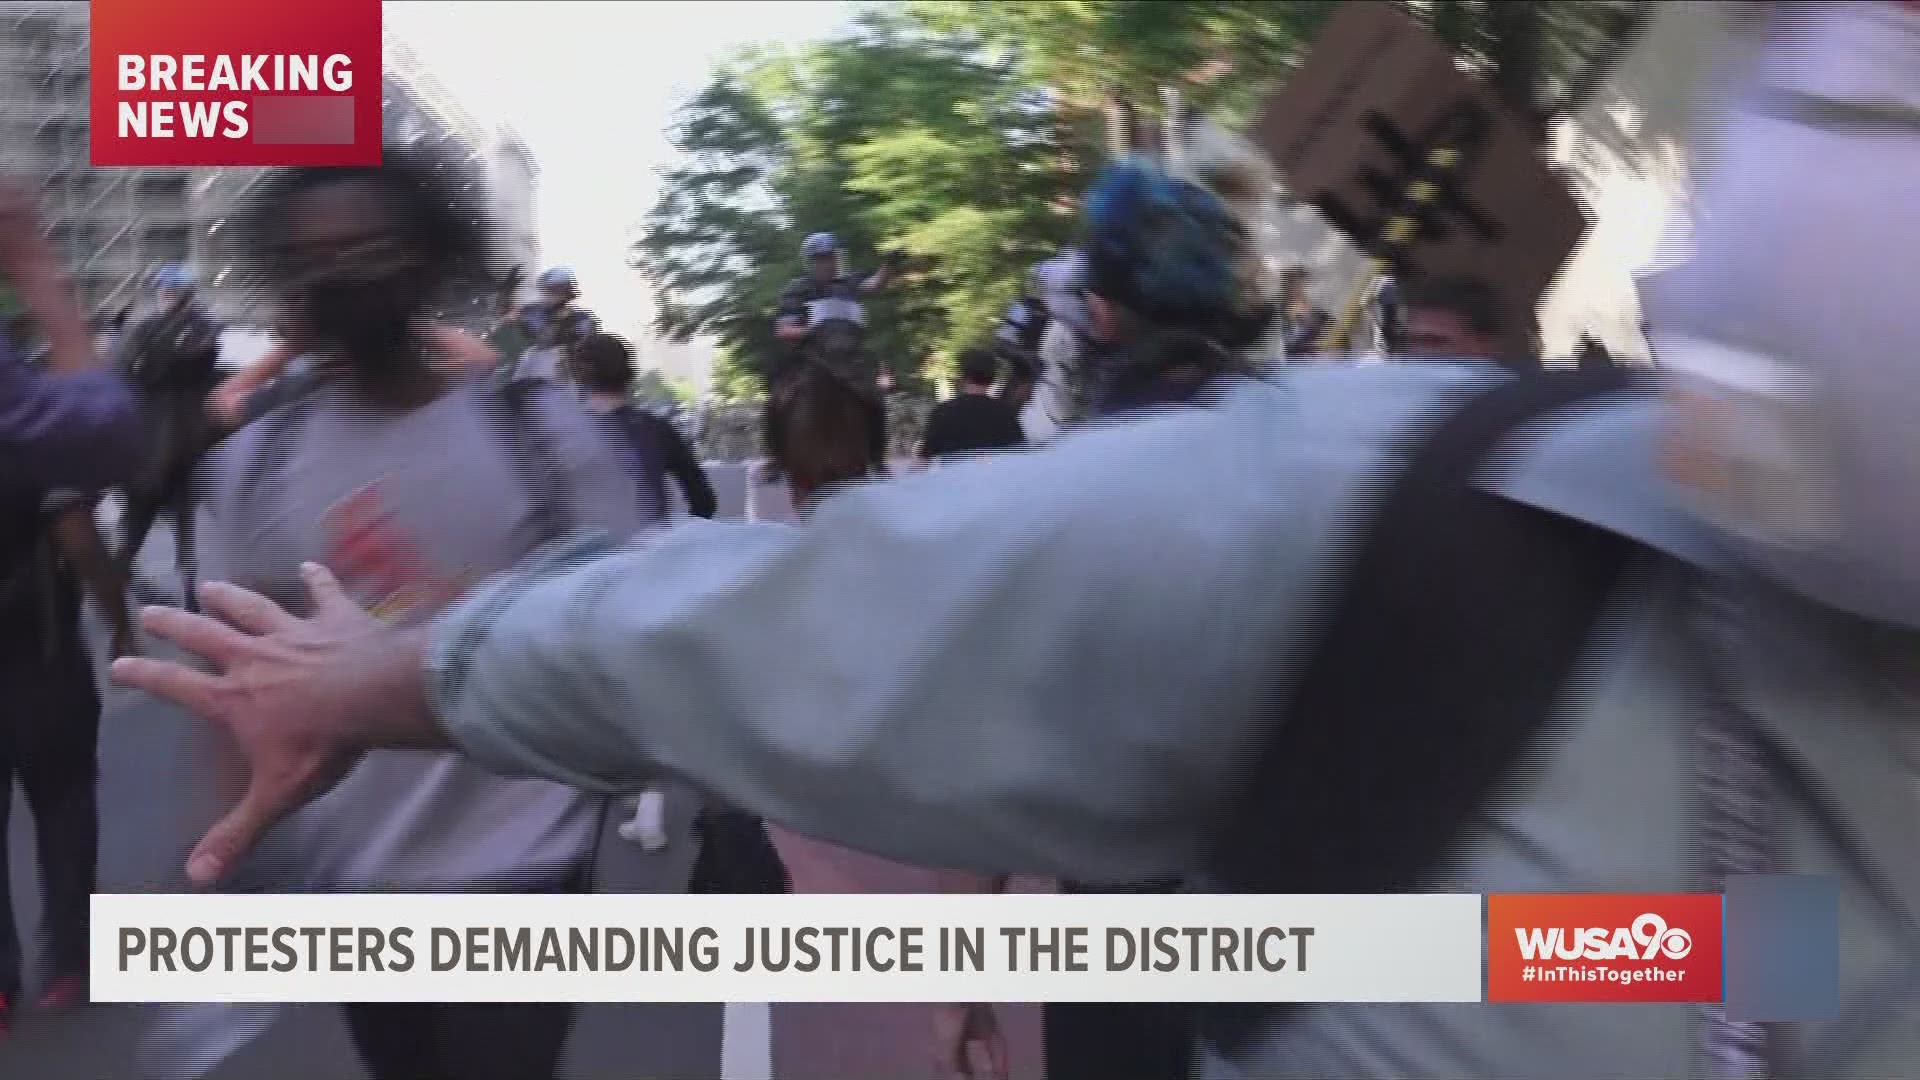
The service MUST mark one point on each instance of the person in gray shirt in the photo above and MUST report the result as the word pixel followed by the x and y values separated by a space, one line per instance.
pixel 412 482
pixel 1062 662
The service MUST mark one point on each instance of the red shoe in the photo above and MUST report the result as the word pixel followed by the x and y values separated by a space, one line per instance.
pixel 65 992
pixel 6 1018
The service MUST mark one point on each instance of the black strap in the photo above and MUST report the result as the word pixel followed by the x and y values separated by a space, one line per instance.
pixel 1449 645
pixel 527 446
pixel 534 459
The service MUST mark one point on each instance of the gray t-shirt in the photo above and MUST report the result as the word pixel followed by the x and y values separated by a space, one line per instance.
pixel 410 510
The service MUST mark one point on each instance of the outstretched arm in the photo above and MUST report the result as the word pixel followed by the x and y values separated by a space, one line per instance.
pixel 228 403
pixel 459 349
pixel 685 468
pixel 951 669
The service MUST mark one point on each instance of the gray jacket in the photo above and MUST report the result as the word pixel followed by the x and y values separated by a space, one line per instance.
pixel 1052 662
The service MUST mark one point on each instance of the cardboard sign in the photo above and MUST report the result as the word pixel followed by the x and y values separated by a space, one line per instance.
pixel 1375 95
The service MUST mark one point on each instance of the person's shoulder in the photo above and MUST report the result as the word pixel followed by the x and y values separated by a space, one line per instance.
pixel 1600 464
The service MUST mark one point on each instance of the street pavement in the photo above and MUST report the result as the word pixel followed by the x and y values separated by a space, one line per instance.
pixel 152 805
pixel 151 809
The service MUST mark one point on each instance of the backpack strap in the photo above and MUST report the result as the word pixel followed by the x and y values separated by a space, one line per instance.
pixel 533 458
pixel 527 445
pixel 1449 644
pixel 278 426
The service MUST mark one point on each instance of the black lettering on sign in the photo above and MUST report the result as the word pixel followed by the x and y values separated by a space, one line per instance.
pixel 1466 129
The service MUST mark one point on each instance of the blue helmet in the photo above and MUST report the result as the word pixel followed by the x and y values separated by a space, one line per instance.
pixel 174 276
pixel 558 277
pixel 1161 247
pixel 819 244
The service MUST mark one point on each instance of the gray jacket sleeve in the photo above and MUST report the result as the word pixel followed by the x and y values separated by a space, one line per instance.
pixel 1048 662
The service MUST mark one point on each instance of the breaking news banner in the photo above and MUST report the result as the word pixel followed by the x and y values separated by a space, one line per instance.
pixel 786 948
pixel 209 83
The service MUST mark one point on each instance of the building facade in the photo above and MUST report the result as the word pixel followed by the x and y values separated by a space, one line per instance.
pixel 115 226
pixel 112 225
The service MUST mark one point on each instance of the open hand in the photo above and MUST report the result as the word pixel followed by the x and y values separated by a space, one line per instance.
pixel 302 698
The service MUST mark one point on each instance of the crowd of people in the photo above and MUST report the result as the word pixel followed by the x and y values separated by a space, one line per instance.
pixel 1231 616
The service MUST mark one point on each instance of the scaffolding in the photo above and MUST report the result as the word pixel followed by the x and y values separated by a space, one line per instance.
pixel 114 226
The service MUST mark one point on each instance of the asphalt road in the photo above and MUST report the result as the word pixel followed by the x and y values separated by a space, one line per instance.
pixel 149 813
pixel 152 806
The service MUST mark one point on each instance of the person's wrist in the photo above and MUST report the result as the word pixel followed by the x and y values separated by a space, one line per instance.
pixel 399 713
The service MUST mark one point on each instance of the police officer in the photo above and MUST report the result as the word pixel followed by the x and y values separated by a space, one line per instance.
pixel 825 293
pixel 554 326
pixel 1068 662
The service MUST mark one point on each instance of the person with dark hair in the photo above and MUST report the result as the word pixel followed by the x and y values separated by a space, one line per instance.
pixel 1592 354
pixel 973 420
pixel 603 367
pixel 410 480
pixel 1410 628
pixel 1452 318
pixel 1302 322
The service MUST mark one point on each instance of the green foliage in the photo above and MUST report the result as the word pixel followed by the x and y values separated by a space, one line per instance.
pixel 961 131
pixel 1224 55
pixel 895 138
pixel 682 390
pixel 650 387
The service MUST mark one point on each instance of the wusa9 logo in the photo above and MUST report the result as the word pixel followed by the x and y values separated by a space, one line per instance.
pixel 1604 947
pixel 1649 938
pixel 235 82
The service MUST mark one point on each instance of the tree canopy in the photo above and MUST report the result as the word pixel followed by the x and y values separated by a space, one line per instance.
pixel 961 131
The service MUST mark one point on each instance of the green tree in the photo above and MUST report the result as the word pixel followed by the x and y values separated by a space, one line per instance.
pixel 651 388
pixel 1224 55
pixel 897 137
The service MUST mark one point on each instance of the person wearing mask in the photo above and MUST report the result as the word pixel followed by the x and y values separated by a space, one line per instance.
pixel 64 424
pixel 264 384
pixel 1735 697
pixel 974 420
pixel 1453 318
pixel 413 481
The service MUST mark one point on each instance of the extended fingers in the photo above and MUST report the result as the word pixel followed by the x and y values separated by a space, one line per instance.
pixel 199 635
pixel 195 691
pixel 328 597
pixel 224 845
pixel 246 609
